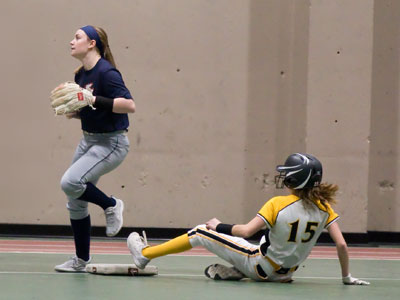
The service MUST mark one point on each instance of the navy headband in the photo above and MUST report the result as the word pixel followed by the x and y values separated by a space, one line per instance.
pixel 93 35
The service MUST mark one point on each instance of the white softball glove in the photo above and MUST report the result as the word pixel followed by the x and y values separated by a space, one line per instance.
pixel 69 97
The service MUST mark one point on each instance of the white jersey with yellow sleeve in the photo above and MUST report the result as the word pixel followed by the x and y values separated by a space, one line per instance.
pixel 294 228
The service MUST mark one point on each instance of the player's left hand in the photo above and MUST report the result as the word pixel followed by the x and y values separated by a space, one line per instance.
pixel 69 97
pixel 349 280
pixel 212 224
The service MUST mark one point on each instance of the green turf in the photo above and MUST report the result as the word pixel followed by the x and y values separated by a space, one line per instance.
pixel 31 276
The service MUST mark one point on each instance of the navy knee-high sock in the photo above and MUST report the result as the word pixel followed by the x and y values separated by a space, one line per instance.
pixel 94 195
pixel 81 230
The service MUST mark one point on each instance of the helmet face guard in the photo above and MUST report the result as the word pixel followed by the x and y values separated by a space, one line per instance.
pixel 279 180
pixel 299 171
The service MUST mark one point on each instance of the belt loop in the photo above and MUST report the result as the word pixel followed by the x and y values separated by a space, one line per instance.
pixel 294 269
pixel 274 264
pixel 279 269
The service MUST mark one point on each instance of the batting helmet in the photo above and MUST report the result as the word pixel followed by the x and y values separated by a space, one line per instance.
pixel 299 171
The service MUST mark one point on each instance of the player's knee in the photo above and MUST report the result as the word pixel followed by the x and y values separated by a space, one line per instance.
pixel 194 238
pixel 77 210
pixel 78 215
pixel 72 188
pixel 201 227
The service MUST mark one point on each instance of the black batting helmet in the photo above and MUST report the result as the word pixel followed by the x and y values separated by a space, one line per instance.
pixel 299 171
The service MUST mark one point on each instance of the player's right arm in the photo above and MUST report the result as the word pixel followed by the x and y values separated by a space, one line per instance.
pixel 265 216
pixel 249 229
pixel 343 254
pixel 241 230
pixel 73 115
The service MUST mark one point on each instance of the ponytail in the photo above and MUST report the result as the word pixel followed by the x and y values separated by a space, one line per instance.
pixel 107 51
pixel 325 193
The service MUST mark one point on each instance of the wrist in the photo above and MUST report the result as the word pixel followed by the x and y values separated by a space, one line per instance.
pixel 103 103
pixel 224 228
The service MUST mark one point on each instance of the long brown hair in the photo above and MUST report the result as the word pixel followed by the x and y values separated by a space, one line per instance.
pixel 104 40
pixel 107 51
pixel 325 193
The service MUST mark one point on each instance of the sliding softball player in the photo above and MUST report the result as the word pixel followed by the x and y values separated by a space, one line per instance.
pixel 292 226
pixel 100 99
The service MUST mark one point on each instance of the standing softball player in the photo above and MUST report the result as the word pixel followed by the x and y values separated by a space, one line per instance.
pixel 104 144
pixel 292 226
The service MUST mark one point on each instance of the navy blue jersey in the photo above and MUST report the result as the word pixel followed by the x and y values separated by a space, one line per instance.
pixel 103 80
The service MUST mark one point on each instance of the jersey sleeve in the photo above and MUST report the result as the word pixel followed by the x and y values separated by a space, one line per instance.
pixel 113 85
pixel 333 216
pixel 268 213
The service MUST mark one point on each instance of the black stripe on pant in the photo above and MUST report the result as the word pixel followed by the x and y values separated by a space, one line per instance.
pixel 220 239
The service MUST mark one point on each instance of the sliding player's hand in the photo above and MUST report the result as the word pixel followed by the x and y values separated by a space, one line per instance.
pixel 348 280
pixel 212 224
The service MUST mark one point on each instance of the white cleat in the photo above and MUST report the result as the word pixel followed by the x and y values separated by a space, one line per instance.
pixel 114 219
pixel 73 265
pixel 221 272
pixel 136 244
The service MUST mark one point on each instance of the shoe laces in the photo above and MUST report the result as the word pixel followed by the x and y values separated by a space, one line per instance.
pixel 144 239
pixel 110 213
pixel 75 261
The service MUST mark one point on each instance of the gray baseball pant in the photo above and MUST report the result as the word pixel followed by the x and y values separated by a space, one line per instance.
pixel 96 155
